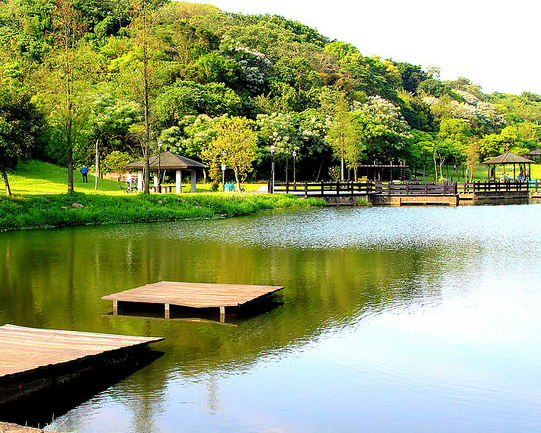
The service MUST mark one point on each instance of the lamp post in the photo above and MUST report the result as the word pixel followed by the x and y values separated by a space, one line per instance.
pixel 287 165
pixel 159 166
pixel 272 169
pixel 224 166
pixel 294 176
pixel 223 177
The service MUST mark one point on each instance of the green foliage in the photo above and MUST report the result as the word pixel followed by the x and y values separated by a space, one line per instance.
pixel 188 98
pixel 21 125
pixel 115 162
pixel 234 147
pixel 204 64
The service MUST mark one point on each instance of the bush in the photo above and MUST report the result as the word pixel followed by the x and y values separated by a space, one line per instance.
pixel 115 162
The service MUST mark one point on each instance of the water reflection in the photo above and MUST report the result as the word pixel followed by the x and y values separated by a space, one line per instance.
pixel 390 318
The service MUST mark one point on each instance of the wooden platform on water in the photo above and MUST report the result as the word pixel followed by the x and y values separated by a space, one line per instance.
pixel 193 295
pixel 28 349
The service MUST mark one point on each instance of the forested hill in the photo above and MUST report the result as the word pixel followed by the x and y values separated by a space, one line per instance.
pixel 72 74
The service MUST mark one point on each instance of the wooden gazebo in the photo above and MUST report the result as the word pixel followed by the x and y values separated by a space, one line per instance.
pixel 507 158
pixel 535 155
pixel 167 161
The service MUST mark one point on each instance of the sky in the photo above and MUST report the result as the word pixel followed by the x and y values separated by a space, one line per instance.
pixel 493 43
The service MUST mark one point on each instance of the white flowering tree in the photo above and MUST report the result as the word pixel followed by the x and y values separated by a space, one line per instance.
pixel 254 68
pixel 280 131
pixel 383 130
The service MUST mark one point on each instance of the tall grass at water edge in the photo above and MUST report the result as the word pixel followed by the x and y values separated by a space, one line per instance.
pixel 60 210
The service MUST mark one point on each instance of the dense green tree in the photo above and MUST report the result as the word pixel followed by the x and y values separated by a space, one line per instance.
pixel 235 146
pixel 20 127
pixel 186 98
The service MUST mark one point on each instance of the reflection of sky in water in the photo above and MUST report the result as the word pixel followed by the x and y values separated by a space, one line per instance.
pixel 374 227
pixel 465 360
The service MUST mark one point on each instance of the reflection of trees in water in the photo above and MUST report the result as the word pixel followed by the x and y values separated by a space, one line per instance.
pixel 56 279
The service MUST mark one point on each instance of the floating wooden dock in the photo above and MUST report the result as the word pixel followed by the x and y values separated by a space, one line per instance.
pixel 34 359
pixel 193 295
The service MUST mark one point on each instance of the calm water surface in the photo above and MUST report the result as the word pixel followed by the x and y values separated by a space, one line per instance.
pixel 392 320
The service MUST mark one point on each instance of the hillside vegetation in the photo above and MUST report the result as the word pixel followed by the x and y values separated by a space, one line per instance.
pixel 232 89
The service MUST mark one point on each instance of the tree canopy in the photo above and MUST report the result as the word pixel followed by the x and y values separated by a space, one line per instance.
pixel 202 66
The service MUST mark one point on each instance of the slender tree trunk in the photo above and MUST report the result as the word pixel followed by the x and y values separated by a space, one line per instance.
pixel 319 170
pixel 236 171
pixel 97 165
pixel 70 149
pixel 146 153
pixel 6 182
pixel 435 165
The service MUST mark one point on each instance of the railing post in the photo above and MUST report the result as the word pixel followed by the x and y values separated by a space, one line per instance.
pixel 306 189
pixel 322 189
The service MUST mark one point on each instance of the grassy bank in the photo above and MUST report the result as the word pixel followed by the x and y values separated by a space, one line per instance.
pixel 81 209
pixel 40 201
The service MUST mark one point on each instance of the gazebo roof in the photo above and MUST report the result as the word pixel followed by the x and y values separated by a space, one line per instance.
pixel 536 152
pixel 509 158
pixel 167 161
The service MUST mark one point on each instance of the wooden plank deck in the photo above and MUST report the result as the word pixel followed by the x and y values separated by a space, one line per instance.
pixel 27 349
pixel 14 428
pixel 193 295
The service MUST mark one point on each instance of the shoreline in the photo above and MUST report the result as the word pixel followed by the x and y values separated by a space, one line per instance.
pixel 80 209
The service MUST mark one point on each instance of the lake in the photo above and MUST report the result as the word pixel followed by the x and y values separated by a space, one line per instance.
pixel 391 320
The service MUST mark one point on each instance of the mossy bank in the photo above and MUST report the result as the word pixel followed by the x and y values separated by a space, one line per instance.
pixel 24 212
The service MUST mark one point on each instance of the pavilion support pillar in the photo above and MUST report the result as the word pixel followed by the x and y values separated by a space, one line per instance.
pixel 156 181
pixel 194 181
pixel 139 180
pixel 167 311
pixel 178 187
pixel 222 314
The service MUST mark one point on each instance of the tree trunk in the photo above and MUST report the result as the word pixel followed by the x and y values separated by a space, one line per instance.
pixel 146 144
pixel 69 143
pixel 70 170
pixel 319 170
pixel 236 171
pixel 435 165
pixel 97 165
pixel 6 181
pixel 442 161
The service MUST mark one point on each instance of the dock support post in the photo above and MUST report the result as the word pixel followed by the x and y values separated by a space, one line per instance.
pixel 222 314
pixel 167 311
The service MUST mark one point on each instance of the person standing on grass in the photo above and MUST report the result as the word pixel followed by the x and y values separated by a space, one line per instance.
pixel 84 171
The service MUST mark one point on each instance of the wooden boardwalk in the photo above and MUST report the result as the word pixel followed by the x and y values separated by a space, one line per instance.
pixel 193 295
pixel 25 350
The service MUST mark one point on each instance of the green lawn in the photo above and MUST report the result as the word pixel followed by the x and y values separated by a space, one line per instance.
pixel 38 178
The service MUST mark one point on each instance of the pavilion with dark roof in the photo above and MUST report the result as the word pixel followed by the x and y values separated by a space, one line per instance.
pixel 507 158
pixel 535 155
pixel 167 161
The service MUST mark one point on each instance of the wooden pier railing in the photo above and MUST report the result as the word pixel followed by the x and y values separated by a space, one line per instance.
pixel 314 189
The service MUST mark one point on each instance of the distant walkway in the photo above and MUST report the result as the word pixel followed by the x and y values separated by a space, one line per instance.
pixel 399 193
